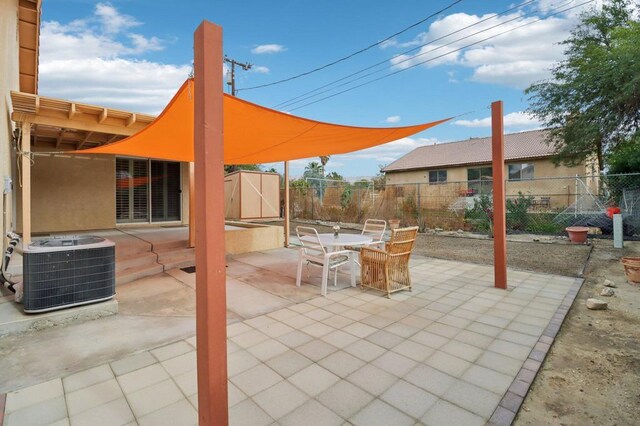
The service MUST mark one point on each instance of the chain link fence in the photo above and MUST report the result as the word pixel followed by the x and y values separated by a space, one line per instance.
pixel 537 206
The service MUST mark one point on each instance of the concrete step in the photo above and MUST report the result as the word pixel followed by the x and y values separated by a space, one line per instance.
pixel 138 272
pixel 160 246
pixel 141 259
pixel 177 258
pixel 178 262
pixel 126 250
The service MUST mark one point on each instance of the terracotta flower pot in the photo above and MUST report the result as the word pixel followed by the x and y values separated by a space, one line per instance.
pixel 394 223
pixel 631 269
pixel 577 234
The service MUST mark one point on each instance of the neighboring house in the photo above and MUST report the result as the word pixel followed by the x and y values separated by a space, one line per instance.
pixel 466 167
pixel 70 192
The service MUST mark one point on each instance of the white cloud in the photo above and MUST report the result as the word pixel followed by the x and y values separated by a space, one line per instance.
pixel 517 58
pixel 260 69
pixel 517 119
pixel 390 151
pixel 96 60
pixel 268 48
pixel 113 21
pixel 392 119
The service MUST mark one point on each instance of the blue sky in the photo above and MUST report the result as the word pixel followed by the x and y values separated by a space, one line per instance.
pixel 134 55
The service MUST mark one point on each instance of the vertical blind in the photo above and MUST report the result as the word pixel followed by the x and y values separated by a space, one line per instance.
pixel 141 184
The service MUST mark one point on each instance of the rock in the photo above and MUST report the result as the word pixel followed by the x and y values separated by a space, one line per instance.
pixel 609 283
pixel 459 231
pixel 596 304
pixel 439 229
pixel 607 291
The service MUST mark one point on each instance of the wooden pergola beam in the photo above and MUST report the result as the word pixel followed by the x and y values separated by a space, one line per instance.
pixel 60 138
pixel 103 115
pixel 25 170
pixel 77 123
pixel 84 140
pixel 130 120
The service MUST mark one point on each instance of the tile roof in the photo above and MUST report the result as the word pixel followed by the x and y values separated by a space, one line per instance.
pixel 521 145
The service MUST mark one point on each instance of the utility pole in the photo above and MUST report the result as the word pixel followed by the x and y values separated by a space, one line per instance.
pixel 231 80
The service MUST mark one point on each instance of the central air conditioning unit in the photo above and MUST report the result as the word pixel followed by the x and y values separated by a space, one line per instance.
pixel 66 271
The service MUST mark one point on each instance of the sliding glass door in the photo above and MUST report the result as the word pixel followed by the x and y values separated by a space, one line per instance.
pixel 147 191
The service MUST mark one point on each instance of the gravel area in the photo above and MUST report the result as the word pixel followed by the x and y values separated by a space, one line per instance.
pixel 558 257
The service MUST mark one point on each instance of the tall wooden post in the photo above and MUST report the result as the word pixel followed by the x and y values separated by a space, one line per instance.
pixel 287 225
pixel 25 168
pixel 211 306
pixel 499 199
pixel 192 205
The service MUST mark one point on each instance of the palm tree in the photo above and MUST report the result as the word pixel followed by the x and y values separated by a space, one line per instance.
pixel 315 172
pixel 324 159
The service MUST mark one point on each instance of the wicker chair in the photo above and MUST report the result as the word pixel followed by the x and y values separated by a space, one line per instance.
pixel 388 270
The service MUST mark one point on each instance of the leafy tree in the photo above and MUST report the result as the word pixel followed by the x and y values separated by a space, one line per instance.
pixel 230 168
pixel 380 180
pixel 626 159
pixel 334 176
pixel 592 102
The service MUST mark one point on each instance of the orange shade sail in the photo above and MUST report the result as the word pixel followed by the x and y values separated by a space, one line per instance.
pixel 252 134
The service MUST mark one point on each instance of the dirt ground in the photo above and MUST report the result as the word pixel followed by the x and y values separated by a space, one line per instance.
pixel 592 373
pixel 559 257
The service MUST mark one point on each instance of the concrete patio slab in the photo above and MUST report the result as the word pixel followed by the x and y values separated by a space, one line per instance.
pixel 454 350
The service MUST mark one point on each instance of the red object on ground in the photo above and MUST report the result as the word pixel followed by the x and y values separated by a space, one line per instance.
pixel 613 210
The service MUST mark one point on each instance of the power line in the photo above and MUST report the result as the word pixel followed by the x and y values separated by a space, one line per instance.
pixel 439 56
pixel 354 53
pixel 304 96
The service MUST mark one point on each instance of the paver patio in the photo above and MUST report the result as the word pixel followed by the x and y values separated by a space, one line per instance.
pixel 453 351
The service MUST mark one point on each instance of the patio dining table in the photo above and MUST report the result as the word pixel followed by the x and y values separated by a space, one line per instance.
pixel 332 242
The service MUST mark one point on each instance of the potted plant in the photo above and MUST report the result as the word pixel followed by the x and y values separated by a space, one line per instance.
pixel 577 234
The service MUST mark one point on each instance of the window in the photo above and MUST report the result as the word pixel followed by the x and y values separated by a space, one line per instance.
pixel 480 180
pixel 437 176
pixel 520 171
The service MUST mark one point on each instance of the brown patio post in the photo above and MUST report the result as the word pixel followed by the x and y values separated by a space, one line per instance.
pixel 286 204
pixel 192 205
pixel 499 200
pixel 25 165
pixel 211 309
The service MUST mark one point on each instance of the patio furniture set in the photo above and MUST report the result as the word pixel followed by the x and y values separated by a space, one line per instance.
pixel 384 265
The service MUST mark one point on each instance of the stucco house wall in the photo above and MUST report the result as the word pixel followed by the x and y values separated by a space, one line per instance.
pixel 9 80
pixel 439 196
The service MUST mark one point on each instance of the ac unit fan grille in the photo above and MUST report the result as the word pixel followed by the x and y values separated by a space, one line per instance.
pixel 58 279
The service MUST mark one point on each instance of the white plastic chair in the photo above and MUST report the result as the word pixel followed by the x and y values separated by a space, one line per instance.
pixel 375 229
pixel 313 252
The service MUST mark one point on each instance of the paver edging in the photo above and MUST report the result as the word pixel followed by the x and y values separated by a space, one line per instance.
pixel 506 411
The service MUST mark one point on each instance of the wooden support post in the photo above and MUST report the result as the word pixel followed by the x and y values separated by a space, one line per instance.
pixel 192 205
pixel 25 169
pixel 499 199
pixel 211 306
pixel 287 226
